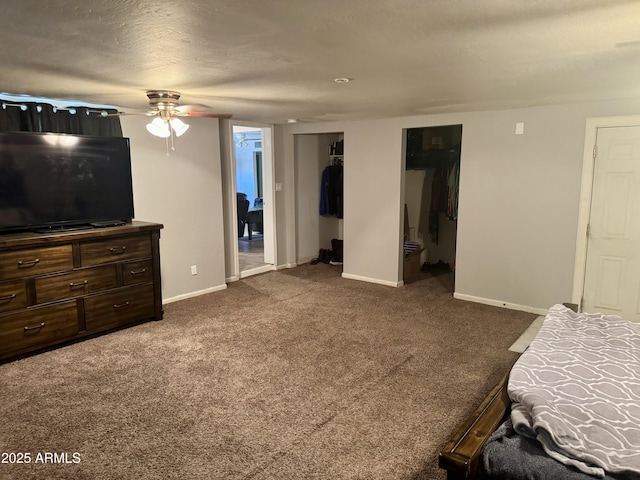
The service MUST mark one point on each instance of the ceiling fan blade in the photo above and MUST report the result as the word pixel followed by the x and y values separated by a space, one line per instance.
pixel 197 110
pixel 210 115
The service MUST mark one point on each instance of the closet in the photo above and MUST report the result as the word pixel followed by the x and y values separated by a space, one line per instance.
pixel 431 196
pixel 318 157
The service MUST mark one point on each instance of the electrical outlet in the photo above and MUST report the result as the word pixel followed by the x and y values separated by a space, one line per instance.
pixel 194 270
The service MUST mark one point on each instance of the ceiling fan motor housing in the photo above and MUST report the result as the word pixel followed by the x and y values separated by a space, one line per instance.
pixel 165 103
pixel 163 100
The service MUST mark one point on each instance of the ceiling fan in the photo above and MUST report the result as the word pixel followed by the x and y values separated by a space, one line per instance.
pixel 166 108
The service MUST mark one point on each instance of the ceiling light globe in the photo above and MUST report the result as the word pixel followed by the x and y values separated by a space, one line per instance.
pixel 158 128
pixel 178 126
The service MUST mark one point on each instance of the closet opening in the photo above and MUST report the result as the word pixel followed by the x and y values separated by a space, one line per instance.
pixel 319 165
pixel 432 179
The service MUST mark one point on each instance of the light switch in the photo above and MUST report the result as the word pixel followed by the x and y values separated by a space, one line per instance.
pixel 520 128
pixel 278 187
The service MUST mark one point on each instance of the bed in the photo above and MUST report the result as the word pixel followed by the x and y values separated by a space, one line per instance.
pixel 569 407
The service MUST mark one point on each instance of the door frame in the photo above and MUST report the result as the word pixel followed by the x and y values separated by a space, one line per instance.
pixel 232 261
pixel 586 192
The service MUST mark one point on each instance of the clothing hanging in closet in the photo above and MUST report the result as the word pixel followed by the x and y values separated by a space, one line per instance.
pixel 444 197
pixel 331 187
pixel 453 184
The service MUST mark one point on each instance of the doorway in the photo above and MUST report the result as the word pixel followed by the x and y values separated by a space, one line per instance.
pixel 607 274
pixel 252 160
pixel 431 188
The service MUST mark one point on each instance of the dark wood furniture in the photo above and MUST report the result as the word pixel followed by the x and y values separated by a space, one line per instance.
pixel 254 220
pixel 461 454
pixel 58 287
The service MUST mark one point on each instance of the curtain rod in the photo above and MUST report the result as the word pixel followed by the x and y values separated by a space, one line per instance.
pixel 71 110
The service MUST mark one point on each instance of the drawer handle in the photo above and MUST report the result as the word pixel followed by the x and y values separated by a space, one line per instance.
pixel 37 327
pixel 8 298
pixel 122 305
pixel 138 272
pixel 117 250
pixel 29 263
pixel 78 284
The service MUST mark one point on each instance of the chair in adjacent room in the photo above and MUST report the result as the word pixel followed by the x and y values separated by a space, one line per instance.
pixel 242 207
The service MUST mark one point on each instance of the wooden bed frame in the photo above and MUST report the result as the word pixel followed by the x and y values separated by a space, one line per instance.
pixel 460 456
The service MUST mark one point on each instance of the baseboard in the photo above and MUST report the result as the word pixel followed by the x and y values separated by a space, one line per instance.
pixel 256 271
pixel 234 278
pixel 184 296
pixel 498 303
pixel 286 265
pixel 372 280
pixel 302 261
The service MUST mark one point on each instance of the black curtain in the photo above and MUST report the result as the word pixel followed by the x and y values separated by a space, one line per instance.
pixel 40 117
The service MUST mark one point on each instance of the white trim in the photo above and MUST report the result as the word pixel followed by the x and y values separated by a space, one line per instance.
pixel 586 188
pixel 286 265
pixel 268 146
pixel 498 303
pixel 229 189
pixel 184 296
pixel 257 270
pixel 288 193
pixel 372 280
pixel 234 278
pixel 231 182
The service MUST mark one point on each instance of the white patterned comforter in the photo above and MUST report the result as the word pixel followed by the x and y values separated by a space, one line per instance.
pixel 576 389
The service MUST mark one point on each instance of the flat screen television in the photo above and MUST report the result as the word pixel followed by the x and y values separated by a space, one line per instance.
pixel 52 181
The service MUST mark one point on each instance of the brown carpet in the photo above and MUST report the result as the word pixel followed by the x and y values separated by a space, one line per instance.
pixel 296 374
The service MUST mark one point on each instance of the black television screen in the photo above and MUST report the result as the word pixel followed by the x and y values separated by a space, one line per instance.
pixel 50 180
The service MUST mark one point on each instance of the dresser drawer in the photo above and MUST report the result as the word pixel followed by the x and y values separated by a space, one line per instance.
pixel 35 261
pixel 37 327
pixel 137 272
pixel 113 309
pixel 13 296
pixel 75 284
pixel 115 249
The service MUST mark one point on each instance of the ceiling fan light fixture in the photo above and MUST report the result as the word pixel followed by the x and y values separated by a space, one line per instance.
pixel 159 128
pixel 179 127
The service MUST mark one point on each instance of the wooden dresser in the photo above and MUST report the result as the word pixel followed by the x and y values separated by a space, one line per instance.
pixel 57 287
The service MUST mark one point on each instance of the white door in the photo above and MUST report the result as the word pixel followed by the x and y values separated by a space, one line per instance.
pixel 612 273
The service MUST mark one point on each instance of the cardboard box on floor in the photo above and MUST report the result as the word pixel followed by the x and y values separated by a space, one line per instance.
pixel 411 266
pixel 411 271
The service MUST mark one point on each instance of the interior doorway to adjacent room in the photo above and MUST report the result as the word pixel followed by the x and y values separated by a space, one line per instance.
pixel 606 275
pixel 253 173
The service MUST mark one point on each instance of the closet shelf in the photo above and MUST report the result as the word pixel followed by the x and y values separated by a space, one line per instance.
pixel 431 158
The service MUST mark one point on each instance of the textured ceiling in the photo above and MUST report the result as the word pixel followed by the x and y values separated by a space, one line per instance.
pixel 270 60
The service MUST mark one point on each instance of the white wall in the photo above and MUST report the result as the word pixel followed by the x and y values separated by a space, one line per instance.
pixel 414 182
pixel 519 198
pixel 518 206
pixel 184 193
pixel 307 179
pixel 373 201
